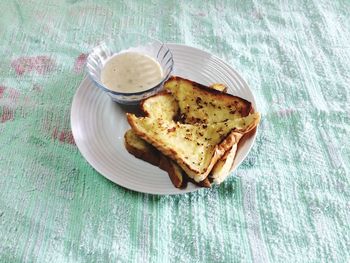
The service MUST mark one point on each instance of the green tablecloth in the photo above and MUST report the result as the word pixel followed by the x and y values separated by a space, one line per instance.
pixel 288 202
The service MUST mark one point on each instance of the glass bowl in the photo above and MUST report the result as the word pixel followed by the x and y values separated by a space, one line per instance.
pixel 124 43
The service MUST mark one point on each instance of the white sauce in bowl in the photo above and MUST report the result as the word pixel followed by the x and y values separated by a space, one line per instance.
pixel 130 72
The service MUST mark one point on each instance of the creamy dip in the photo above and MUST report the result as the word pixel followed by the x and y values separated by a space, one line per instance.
pixel 130 72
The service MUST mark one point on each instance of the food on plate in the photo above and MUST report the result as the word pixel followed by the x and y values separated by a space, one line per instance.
pixel 130 72
pixel 195 147
pixel 196 128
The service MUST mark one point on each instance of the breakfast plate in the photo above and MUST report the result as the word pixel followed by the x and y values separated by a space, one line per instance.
pixel 98 124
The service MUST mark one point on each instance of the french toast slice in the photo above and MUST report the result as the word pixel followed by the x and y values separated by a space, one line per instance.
pixel 165 106
pixel 194 147
pixel 145 151
pixel 199 103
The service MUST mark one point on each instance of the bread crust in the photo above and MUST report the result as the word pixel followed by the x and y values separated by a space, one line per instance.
pixel 197 175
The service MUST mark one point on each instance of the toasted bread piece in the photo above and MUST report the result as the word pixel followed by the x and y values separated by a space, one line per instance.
pixel 142 150
pixel 194 147
pixel 199 103
pixel 153 104
pixel 164 106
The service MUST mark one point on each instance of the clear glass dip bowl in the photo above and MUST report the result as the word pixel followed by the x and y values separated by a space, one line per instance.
pixel 124 43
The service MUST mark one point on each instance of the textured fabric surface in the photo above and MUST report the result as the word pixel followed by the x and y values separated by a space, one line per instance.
pixel 288 202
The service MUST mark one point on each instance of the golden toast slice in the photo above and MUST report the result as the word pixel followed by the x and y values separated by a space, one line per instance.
pixel 144 151
pixel 194 147
pixel 166 107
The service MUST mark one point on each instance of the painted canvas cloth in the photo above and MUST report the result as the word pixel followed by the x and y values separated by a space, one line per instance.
pixel 288 202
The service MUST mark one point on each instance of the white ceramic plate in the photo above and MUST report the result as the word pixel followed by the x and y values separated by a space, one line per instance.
pixel 98 124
